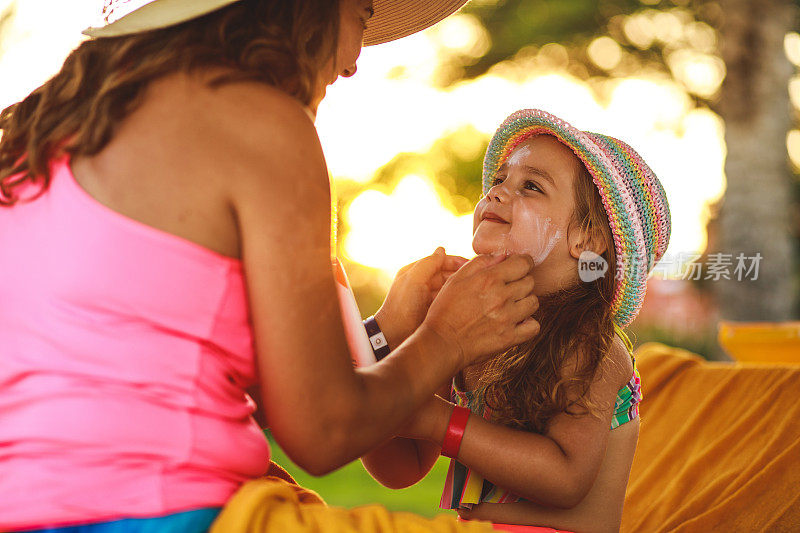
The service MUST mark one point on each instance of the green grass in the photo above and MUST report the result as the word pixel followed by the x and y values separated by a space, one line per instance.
pixel 351 486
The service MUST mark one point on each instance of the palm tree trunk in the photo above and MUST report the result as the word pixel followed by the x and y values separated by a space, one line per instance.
pixel 755 217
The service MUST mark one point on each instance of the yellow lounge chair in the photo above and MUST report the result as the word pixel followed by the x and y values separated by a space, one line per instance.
pixel 719 445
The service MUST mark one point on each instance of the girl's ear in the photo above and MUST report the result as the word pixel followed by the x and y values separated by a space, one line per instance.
pixel 585 238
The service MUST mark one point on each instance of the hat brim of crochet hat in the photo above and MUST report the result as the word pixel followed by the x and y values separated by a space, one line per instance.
pixel 392 19
pixel 631 251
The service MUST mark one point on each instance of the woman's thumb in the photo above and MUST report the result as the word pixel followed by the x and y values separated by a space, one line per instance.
pixel 433 263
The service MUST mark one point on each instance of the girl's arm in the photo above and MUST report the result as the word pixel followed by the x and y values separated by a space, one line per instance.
pixel 401 462
pixel 599 512
pixel 556 469
pixel 261 148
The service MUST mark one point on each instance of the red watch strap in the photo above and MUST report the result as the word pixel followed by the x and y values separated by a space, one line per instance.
pixel 455 431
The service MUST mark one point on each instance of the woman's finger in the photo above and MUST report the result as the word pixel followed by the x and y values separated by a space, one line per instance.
pixel 526 330
pixel 513 268
pixel 479 263
pixel 454 262
pixel 428 266
pixel 439 279
pixel 521 288
pixel 525 307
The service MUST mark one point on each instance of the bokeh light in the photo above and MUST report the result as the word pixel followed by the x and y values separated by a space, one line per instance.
pixel 386 229
pixel 701 73
pixel 793 146
pixel 791 44
pixel 605 52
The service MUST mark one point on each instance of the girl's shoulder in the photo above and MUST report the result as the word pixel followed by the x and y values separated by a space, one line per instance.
pixel 621 360
pixel 617 366
pixel 620 335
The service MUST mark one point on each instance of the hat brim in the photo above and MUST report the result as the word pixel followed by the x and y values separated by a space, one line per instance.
pixel 395 19
pixel 157 15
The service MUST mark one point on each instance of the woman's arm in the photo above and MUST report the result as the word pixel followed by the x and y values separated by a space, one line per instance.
pixel 321 411
pixel 556 469
pixel 401 462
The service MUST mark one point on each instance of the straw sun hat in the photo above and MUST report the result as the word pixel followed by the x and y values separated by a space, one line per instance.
pixel 392 20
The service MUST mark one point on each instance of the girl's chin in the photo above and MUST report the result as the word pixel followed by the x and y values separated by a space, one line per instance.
pixel 489 246
pixel 483 250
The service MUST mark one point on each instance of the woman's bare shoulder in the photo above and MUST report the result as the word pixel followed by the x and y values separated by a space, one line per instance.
pixel 243 130
pixel 242 111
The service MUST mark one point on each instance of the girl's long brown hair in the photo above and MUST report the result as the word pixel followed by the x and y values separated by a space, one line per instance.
pixel 526 386
pixel 282 43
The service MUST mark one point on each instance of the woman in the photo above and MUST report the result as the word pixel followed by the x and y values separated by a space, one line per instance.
pixel 176 251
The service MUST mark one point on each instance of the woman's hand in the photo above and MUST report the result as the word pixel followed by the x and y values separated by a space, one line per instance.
pixel 486 307
pixel 411 294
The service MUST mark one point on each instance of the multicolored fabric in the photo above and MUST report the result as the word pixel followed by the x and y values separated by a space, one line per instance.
pixel 635 201
pixel 464 488
pixel 626 408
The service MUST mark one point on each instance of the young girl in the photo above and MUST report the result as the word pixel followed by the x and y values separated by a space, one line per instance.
pixel 529 433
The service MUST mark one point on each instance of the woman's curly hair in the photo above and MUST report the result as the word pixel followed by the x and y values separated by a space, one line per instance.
pixel 526 386
pixel 282 43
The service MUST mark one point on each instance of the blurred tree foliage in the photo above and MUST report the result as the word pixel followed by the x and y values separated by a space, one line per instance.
pixel 516 24
pixel 647 33
pixel 456 161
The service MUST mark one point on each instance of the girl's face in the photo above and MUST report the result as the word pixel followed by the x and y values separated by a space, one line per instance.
pixel 353 17
pixel 530 204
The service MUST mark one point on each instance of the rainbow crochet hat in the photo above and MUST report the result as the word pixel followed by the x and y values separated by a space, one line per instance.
pixel 635 202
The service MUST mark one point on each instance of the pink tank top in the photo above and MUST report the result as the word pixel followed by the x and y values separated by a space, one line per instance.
pixel 124 355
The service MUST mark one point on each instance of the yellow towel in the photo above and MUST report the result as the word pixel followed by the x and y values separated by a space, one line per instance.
pixel 275 505
pixel 719 446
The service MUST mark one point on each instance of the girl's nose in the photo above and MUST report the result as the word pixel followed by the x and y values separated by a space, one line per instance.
pixel 497 193
pixel 349 71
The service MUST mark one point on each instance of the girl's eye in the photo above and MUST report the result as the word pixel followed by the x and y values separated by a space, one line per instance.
pixel 496 181
pixel 531 186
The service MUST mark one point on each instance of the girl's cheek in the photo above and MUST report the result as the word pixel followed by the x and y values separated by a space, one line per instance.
pixel 532 234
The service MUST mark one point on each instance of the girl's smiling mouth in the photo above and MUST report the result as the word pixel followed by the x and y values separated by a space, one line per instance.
pixel 492 217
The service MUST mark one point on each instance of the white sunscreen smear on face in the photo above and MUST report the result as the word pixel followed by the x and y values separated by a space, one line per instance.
pixel 532 234
pixel 520 155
